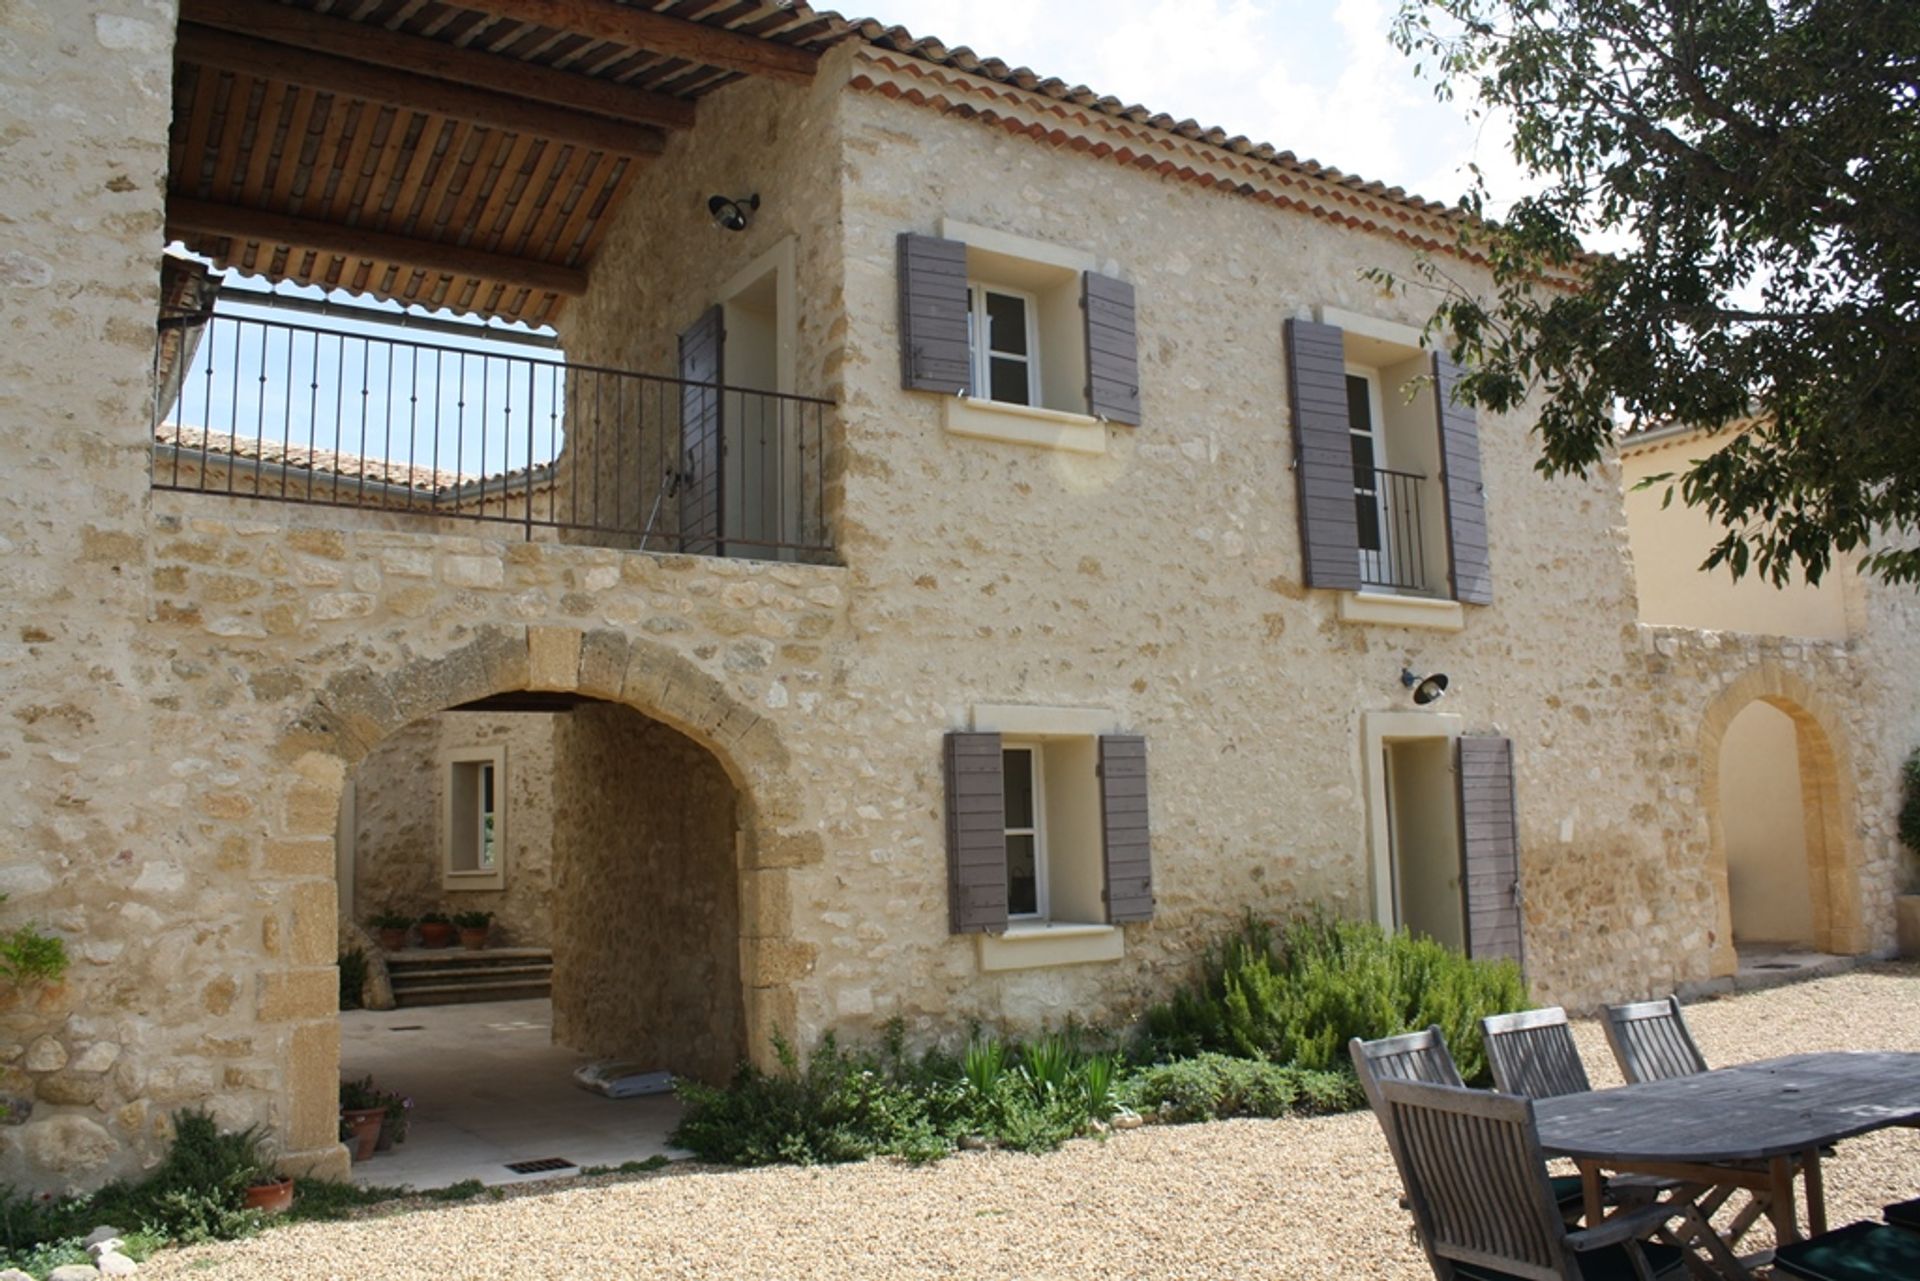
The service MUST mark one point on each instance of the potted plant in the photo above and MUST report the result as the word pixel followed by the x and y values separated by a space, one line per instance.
pixel 362 1112
pixel 392 928
pixel 436 929
pixel 394 1128
pixel 473 929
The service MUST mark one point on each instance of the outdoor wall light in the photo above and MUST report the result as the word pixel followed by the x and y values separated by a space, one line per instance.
pixel 1425 689
pixel 732 214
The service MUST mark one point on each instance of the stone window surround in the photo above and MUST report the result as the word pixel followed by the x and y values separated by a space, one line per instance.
pixel 453 879
pixel 1382 339
pixel 1035 425
pixel 1035 944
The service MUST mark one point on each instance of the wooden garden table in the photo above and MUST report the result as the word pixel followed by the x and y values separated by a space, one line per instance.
pixel 1753 1126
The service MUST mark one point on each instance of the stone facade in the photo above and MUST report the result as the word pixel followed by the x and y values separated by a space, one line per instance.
pixel 189 682
pixel 646 963
pixel 399 846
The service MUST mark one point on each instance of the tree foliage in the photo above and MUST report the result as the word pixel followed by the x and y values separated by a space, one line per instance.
pixel 1758 164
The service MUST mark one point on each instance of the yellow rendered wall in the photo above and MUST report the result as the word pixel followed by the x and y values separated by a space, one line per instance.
pixel 1670 543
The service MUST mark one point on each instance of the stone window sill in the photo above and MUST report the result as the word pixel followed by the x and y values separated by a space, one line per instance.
pixel 1380 609
pixel 1024 425
pixel 1029 945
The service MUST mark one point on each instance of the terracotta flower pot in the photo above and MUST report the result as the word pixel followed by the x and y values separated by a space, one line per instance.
pixel 272 1198
pixel 392 940
pixel 435 934
pixel 365 1124
pixel 473 939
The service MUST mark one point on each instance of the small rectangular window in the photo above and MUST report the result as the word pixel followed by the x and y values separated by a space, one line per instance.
pixel 1026 849
pixel 1000 336
pixel 473 818
pixel 1366 463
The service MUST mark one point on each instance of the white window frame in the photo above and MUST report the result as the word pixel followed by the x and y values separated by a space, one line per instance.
pixel 980 354
pixel 453 875
pixel 1042 895
pixel 1382 558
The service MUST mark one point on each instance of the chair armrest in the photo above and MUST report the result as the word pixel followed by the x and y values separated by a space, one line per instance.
pixel 1626 1226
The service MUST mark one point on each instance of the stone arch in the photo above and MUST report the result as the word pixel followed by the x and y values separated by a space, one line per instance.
pixel 1831 839
pixel 358 708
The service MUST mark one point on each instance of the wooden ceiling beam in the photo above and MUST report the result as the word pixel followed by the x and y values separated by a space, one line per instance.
pixel 225 51
pixel 657 32
pixel 420 55
pixel 187 217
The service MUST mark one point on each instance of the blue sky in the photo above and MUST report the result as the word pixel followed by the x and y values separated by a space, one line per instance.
pixel 1318 79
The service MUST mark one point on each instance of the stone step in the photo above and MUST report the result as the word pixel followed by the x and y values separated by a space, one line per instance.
pixel 489 974
pixel 461 956
pixel 464 993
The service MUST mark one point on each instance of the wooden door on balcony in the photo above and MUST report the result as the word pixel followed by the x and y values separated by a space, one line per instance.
pixel 702 436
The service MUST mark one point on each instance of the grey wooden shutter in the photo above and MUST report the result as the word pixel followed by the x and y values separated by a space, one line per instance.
pixel 1125 849
pixel 1113 349
pixel 702 438
pixel 976 835
pixel 1489 847
pixel 1464 489
pixel 1323 454
pixel 933 315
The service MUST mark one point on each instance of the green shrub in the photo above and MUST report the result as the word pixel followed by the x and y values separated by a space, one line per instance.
pixel 353 977
pixel 842 1107
pixel 1298 999
pixel 1212 1087
pixel 29 955
pixel 849 1105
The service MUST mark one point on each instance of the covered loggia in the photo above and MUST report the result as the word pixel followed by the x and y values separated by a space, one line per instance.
pixel 603 843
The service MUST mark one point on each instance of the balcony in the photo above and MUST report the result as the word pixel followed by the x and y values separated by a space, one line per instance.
pixel 1394 536
pixel 479 426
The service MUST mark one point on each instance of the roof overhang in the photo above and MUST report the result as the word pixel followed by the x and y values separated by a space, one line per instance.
pixel 466 155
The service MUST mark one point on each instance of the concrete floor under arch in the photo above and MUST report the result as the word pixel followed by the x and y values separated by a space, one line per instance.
pixel 490 1087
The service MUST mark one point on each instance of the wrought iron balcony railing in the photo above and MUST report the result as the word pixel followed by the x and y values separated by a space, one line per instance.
pixel 1393 551
pixel 478 429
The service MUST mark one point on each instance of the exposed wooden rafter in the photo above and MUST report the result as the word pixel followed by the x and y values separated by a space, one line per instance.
pixel 674 37
pixel 246 55
pixel 423 56
pixel 189 217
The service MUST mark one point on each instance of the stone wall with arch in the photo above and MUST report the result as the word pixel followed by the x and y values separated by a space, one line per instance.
pixel 356 709
pixel 1854 705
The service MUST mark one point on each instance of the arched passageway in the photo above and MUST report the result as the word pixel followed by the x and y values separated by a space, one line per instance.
pixel 1784 856
pixel 626 785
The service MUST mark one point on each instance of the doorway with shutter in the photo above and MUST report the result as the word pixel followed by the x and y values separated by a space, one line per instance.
pixel 1423 837
pixel 748 446
pixel 1442 839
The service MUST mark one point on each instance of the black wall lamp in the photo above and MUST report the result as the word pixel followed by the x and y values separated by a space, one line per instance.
pixel 731 213
pixel 1426 689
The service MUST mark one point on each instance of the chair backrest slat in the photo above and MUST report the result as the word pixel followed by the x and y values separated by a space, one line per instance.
pixel 1413 1056
pixel 1651 1041
pixel 1476 1179
pixel 1532 1054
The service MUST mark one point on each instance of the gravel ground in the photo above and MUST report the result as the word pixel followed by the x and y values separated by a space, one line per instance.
pixel 1297 1199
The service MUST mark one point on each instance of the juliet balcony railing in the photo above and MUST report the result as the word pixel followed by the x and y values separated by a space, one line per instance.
pixel 484 428
pixel 1393 551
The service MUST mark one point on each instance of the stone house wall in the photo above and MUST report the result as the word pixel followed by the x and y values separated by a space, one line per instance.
pixel 646 963
pixel 399 850
pixel 188 686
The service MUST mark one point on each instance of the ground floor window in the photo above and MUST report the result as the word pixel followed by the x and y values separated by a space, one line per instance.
pixel 473 810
